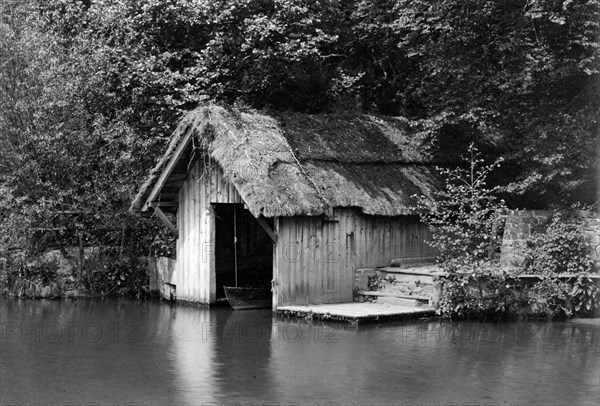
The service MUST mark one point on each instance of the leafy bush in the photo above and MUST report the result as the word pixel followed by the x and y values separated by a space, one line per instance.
pixel 585 297
pixel 482 294
pixel 464 218
pixel 485 294
pixel 119 277
pixel 558 246
pixel 23 277
pixel 465 223
pixel 551 298
pixel 379 281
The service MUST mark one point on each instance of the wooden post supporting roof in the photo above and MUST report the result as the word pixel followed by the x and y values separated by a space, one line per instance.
pixel 161 215
pixel 261 220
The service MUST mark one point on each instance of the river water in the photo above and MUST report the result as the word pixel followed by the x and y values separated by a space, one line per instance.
pixel 119 352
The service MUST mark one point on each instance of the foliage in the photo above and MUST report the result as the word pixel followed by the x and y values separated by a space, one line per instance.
pixel 464 224
pixel 102 272
pixel 585 296
pixel 552 298
pixel 558 246
pixel 487 294
pixel 491 293
pixel 465 221
pixel 71 157
pixel 119 277
pixel 464 217
pixel 28 277
pixel 523 73
pixel 379 281
pixel 484 293
pixel 91 90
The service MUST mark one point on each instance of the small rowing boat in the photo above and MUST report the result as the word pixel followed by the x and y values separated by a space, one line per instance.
pixel 248 298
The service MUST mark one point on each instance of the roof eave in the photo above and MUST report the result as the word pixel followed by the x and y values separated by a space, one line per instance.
pixel 166 172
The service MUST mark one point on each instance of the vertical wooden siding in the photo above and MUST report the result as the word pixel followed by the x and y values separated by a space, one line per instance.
pixel 205 184
pixel 314 260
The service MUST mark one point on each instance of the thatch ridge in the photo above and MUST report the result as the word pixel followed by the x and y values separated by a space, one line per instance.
pixel 296 164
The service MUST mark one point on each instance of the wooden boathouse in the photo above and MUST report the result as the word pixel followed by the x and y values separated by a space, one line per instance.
pixel 313 198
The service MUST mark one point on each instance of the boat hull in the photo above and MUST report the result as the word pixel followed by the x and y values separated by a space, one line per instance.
pixel 248 298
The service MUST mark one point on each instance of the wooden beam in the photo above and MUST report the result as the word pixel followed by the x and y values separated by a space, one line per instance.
pixel 275 281
pixel 261 220
pixel 167 170
pixel 164 204
pixel 161 215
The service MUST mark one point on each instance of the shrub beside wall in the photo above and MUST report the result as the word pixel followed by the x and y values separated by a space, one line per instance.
pixel 559 252
pixel 520 225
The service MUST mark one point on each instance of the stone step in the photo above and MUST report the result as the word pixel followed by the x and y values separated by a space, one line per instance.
pixel 411 262
pixel 423 274
pixel 396 301
pixel 394 295
pixel 405 288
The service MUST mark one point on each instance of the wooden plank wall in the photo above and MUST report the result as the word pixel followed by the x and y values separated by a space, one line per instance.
pixel 314 260
pixel 195 272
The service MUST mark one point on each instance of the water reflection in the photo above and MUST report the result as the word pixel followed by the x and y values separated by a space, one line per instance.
pixel 81 352
pixel 128 352
pixel 190 356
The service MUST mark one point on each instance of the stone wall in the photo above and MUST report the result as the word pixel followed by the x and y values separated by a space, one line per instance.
pixel 591 228
pixel 361 278
pixel 520 223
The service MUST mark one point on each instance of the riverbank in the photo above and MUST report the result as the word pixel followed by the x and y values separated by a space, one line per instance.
pixel 483 296
pixel 41 285
pixel 69 275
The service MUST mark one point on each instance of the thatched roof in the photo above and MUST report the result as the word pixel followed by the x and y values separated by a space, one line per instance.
pixel 298 164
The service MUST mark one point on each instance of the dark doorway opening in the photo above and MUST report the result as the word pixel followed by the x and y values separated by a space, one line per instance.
pixel 254 249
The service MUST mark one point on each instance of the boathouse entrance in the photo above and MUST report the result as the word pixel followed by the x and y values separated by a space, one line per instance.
pixel 242 243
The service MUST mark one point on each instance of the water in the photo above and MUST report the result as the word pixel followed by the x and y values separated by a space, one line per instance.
pixel 119 352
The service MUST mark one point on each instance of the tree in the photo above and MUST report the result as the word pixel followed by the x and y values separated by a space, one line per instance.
pixel 91 90
pixel 67 165
pixel 519 78
pixel 465 216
